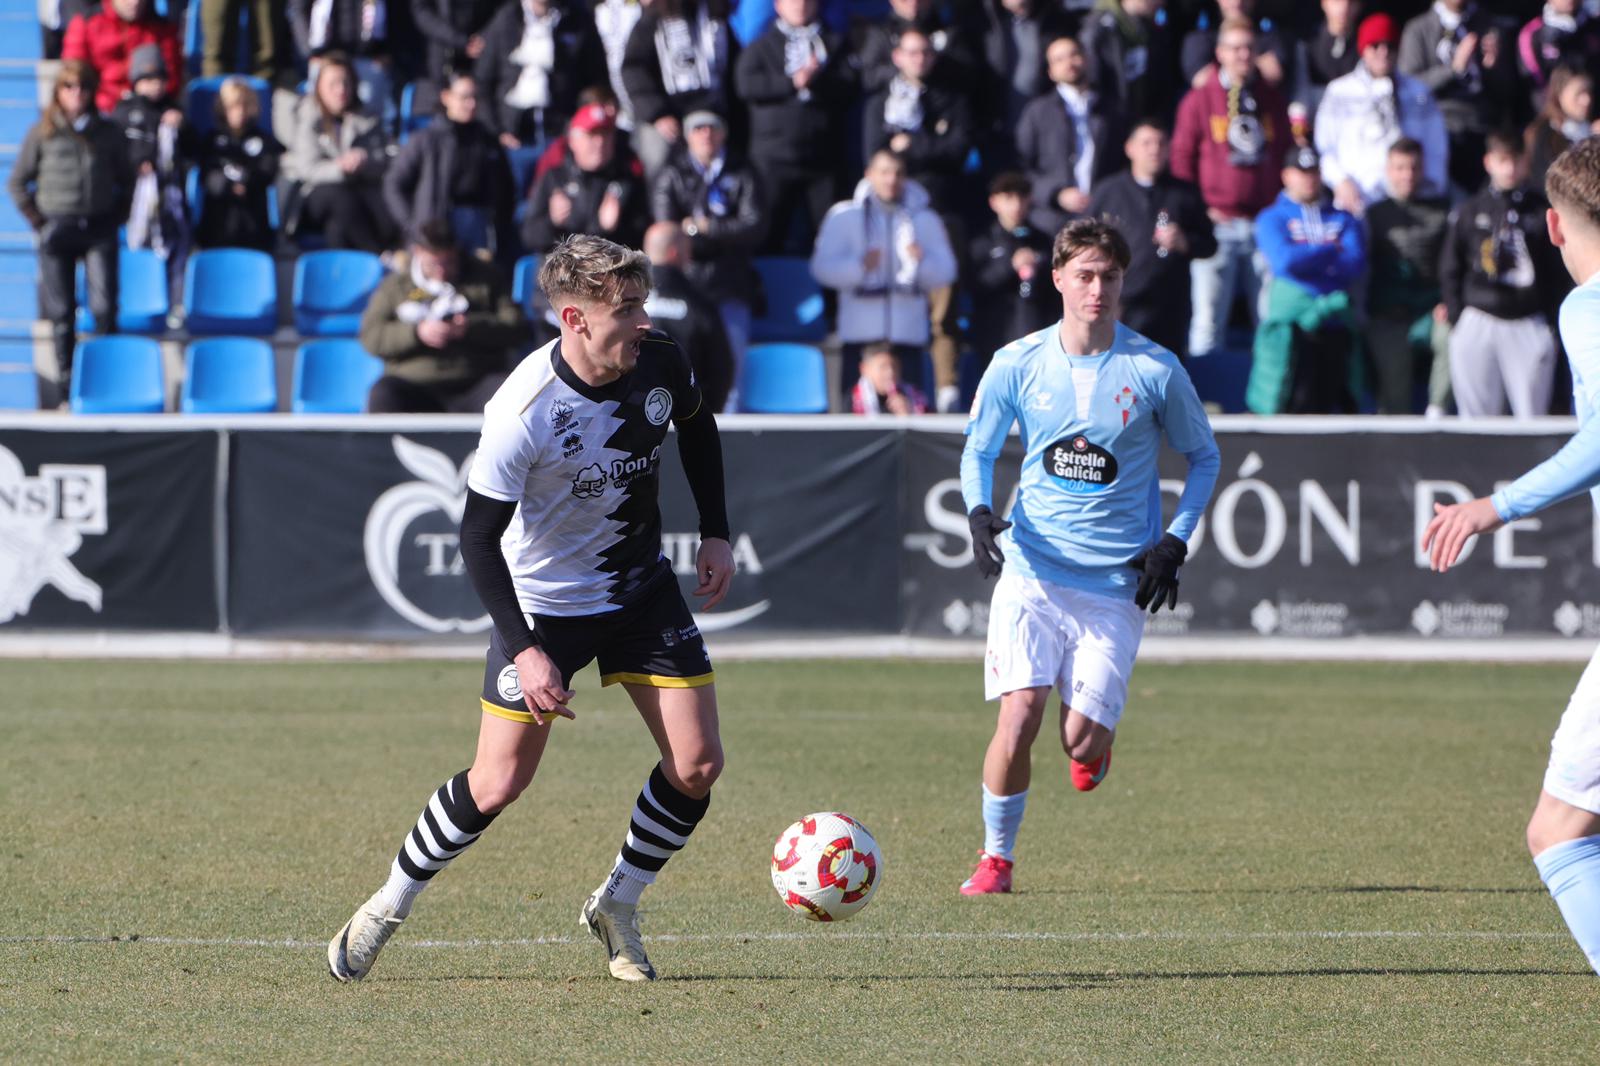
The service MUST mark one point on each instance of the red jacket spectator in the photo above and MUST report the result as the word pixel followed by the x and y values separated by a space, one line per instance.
pixel 1234 153
pixel 106 41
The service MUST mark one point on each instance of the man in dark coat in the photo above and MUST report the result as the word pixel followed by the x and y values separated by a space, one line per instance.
pixel 679 307
pixel 1008 266
pixel 928 126
pixel 594 189
pixel 536 59
pixel 1067 139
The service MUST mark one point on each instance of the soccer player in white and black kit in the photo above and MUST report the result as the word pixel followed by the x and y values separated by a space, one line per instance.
pixel 562 538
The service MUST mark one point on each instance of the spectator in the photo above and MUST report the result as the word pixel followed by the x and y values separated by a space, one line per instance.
pixel 717 203
pixel 457 35
pixel 72 183
pixel 220 25
pixel 1315 250
pixel 238 165
pixel 54 18
pixel 884 250
pixel 614 21
pixel 1009 267
pixel 1565 119
pixel 357 30
pixel 1562 33
pixel 1366 111
pixel 1329 54
pixel 1502 280
pixel 1275 51
pixel 1404 312
pixel 1067 139
pixel 881 389
pixel 796 80
pixel 336 159
pixel 680 307
pixel 537 57
pixel 159 145
pixel 679 58
pixel 929 127
pixel 594 189
pixel 445 328
pixel 1232 137
pixel 1015 35
pixel 1167 229
pixel 954 66
pixel 107 39
pixel 455 169
pixel 1456 52
pixel 1133 57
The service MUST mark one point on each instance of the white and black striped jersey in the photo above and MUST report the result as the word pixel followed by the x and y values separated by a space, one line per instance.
pixel 583 466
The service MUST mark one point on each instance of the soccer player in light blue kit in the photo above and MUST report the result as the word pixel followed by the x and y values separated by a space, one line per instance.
pixel 1085 552
pixel 1564 832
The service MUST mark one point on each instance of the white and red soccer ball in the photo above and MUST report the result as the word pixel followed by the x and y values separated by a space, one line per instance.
pixel 826 867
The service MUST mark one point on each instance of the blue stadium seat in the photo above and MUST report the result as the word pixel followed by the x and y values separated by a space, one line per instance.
pixel 231 290
pixel 523 162
pixel 118 375
pixel 410 122
pixel 525 282
pixel 142 298
pixel 17 116
pixel 15 233
pixel 229 375
pixel 19 389
pixel 794 302
pixel 194 194
pixel 784 379
pixel 333 377
pixel 202 96
pixel 331 290
pixel 19 34
pixel 15 352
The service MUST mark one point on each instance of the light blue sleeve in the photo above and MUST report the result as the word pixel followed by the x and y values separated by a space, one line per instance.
pixel 994 410
pixel 1576 466
pixel 1188 430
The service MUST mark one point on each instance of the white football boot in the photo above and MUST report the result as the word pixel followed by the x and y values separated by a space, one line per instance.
pixel 353 951
pixel 616 925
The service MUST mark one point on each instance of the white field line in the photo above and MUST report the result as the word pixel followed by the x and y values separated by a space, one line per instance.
pixel 723 938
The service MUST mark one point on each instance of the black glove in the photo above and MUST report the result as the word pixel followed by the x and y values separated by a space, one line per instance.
pixel 985 552
pixel 1160 568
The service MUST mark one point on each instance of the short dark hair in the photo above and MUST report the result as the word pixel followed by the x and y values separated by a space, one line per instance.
pixel 436 235
pixel 1010 183
pixel 1504 141
pixel 1149 122
pixel 1084 234
pixel 1407 146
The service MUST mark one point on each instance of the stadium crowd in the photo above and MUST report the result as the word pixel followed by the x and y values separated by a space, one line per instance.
pixel 1350 193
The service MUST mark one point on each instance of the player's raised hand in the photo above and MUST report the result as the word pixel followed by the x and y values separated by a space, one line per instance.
pixel 542 689
pixel 986 526
pixel 714 565
pixel 1453 526
pixel 1159 567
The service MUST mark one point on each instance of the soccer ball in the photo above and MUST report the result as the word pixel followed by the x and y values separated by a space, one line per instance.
pixel 826 867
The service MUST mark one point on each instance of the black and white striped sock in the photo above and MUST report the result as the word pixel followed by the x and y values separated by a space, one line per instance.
pixel 662 820
pixel 448 824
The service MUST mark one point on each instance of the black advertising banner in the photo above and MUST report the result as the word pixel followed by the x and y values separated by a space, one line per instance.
pixel 1306 535
pixel 354 534
pixel 108 530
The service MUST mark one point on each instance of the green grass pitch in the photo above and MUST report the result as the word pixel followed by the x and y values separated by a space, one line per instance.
pixel 1288 863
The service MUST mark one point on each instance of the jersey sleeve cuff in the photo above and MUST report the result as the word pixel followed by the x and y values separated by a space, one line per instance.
pixel 1502 507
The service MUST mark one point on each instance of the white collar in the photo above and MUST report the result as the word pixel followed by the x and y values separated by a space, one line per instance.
pixel 1447 18
pixel 1077 99
pixel 1564 23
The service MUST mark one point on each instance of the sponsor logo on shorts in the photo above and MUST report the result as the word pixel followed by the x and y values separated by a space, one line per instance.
pixel 1080 464
pixel 658 406
pixel 1084 693
pixel 508 684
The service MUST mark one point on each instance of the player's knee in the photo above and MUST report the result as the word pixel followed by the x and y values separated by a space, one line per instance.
pixel 495 788
pixel 698 772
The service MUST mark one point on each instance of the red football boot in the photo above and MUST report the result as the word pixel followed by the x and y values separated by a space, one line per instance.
pixel 1087 775
pixel 992 875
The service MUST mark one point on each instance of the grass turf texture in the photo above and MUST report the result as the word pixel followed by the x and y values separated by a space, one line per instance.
pixel 1193 909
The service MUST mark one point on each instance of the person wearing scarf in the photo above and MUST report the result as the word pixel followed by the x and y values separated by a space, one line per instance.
pixel 679 58
pixel 1132 56
pixel 1455 51
pixel 538 55
pixel 928 126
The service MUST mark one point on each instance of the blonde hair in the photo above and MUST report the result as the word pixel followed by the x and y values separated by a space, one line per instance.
pixel 592 269
pixel 236 90
pixel 1573 180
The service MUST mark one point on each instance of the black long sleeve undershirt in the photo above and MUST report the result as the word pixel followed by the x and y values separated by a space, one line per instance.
pixel 700 448
pixel 482 523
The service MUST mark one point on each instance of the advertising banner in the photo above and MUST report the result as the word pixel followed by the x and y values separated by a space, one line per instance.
pixel 103 530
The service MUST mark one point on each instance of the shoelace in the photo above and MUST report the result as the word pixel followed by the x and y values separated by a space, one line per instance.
pixel 370 936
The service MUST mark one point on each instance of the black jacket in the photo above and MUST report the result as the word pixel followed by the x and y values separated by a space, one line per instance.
pixel 446 25
pixel 1007 83
pixel 938 149
pixel 580 63
pixel 1199 50
pixel 784 129
pixel 1475 268
pixel 679 308
pixel 139 120
pixel 426 178
pixel 1141 73
pixel 648 93
pixel 1152 278
pixel 344 30
pixel 228 219
pixel 1048 149
pixel 1004 306
pixel 586 189
pixel 954 39
pixel 736 223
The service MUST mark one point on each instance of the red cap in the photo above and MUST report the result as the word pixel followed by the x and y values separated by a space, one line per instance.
pixel 593 117
pixel 1377 29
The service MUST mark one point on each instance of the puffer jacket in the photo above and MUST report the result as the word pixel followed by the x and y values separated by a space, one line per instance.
pixel 107 43
pixel 891 302
pixel 495 327
pixel 73 174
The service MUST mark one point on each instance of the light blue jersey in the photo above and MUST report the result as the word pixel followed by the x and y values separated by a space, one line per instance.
pixel 1576 466
pixel 1089 498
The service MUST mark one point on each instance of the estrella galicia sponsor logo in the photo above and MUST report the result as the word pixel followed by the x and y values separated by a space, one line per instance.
pixel 43 520
pixel 560 416
pixel 508 684
pixel 571 445
pixel 658 406
pixel 589 482
pixel 1081 464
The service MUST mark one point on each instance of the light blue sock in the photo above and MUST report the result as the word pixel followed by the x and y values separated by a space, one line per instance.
pixel 1571 871
pixel 1002 817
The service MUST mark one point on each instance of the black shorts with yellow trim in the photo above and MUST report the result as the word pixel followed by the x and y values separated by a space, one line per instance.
pixel 652 642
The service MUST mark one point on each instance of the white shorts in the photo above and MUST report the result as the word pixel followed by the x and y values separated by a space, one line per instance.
pixel 1082 643
pixel 1574 772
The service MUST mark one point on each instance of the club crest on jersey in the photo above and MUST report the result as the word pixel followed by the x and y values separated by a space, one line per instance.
pixel 571 445
pixel 560 416
pixel 1128 402
pixel 589 482
pixel 1082 466
pixel 658 406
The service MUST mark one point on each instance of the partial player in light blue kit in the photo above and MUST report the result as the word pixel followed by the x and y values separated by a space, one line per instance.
pixel 1084 552
pixel 1564 832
